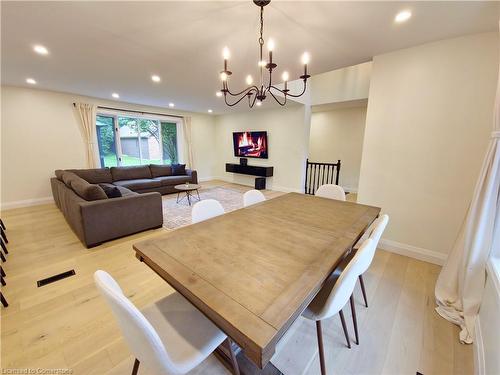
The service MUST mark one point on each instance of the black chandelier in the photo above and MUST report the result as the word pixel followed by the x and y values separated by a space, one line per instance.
pixel 254 93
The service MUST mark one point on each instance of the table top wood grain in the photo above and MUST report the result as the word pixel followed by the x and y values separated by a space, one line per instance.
pixel 253 271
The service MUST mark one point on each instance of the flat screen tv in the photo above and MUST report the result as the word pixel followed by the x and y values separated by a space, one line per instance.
pixel 250 144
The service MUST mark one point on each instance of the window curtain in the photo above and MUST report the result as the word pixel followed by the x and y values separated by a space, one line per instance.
pixel 460 285
pixel 87 116
pixel 188 146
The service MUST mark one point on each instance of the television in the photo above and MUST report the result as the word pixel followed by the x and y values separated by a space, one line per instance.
pixel 250 144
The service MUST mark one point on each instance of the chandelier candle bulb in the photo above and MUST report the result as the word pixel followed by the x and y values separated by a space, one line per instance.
pixel 249 80
pixel 270 48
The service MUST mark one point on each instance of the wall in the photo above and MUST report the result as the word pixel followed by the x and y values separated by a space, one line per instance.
pixel 40 133
pixel 341 85
pixel 288 135
pixel 338 134
pixel 429 119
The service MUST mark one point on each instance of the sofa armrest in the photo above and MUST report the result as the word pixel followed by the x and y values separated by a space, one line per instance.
pixel 117 217
pixel 193 174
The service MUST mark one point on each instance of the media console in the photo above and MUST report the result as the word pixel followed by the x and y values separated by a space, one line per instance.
pixel 252 170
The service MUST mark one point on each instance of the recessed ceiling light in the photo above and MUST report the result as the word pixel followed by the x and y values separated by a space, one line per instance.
pixel 115 95
pixel 218 94
pixel 155 78
pixel 31 81
pixel 210 111
pixel 41 50
pixel 402 16
pixel 171 105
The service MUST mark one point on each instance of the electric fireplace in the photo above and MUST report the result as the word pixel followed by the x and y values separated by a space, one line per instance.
pixel 250 144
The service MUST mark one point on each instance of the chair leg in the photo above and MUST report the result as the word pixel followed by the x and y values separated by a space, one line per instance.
pixel 4 248
pixel 3 300
pixel 4 236
pixel 354 320
pixel 136 367
pixel 2 281
pixel 2 224
pixel 362 283
pixel 344 326
pixel 2 272
pixel 229 345
pixel 319 333
pixel 2 257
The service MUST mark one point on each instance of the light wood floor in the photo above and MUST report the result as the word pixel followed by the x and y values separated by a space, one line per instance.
pixel 68 325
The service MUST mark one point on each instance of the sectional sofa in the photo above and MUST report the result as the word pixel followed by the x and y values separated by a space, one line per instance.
pixel 107 203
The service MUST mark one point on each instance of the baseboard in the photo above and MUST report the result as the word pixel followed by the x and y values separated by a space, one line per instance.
pixel 413 251
pixel 27 203
pixel 478 349
pixel 205 179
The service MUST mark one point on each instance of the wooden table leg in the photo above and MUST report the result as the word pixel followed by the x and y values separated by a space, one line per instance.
pixel 246 366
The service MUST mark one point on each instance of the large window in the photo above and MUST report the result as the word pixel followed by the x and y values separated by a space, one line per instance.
pixel 130 140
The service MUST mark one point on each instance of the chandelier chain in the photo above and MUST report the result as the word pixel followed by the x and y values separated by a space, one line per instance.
pixel 261 39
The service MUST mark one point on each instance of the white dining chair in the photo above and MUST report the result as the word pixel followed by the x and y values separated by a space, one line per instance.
pixel 333 296
pixel 169 337
pixel 375 233
pixel 252 197
pixel 206 209
pixel 331 191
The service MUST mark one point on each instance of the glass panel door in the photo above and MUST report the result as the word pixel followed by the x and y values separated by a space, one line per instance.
pixel 106 141
pixel 169 142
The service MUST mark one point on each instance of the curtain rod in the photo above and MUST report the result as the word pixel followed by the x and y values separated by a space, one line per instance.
pixel 134 111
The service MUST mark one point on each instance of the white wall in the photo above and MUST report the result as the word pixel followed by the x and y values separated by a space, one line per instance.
pixel 429 119
pixel 288 134
pixel 40 133
pixel 338 134
pixel 341 85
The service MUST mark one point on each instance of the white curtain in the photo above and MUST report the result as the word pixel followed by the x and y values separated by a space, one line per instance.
pixel 188 146
pixel 460 285
pixel 87 116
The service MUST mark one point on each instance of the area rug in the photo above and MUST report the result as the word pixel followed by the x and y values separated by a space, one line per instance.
pixel 177 215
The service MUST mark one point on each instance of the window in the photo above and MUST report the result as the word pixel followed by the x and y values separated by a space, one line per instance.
pixel 134 140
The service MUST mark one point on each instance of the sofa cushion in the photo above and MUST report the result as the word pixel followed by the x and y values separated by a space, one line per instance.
pixel 89 192
pixel 130 173
pixel 67 177
pixel 59 173
pixel 111 191
pixel 139 184
pixel 173 180
pixel 158 170
pixel 178 169
pixel 94 176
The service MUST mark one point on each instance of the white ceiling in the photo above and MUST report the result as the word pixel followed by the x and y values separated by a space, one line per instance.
pixel 97 48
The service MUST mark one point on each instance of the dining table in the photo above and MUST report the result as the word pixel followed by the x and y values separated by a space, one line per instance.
pixel 254 270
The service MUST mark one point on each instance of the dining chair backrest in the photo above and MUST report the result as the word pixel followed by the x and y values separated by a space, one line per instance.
pixel 252 197
pixel 331 191
pixel 138 332
pixel 205 210
pixel 378 228
pixel 344 285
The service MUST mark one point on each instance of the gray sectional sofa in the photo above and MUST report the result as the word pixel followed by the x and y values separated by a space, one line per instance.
pixel 82 196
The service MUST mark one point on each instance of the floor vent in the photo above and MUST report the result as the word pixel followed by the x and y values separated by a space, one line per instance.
pixel 55 278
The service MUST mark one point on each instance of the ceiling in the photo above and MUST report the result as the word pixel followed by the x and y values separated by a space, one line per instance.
pixel 97 48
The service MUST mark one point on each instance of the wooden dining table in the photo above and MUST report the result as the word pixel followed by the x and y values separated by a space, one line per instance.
pixel 253 271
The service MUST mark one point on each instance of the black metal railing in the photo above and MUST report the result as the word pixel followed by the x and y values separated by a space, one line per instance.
pixel 318 174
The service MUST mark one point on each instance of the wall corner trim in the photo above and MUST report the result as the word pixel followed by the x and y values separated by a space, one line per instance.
pixel 413 251
pixel 478 349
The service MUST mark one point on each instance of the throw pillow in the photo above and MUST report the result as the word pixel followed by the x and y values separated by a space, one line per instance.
pixel 179 169
pixel 111 191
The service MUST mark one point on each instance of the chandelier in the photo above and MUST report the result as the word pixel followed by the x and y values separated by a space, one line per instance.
pixel 256 94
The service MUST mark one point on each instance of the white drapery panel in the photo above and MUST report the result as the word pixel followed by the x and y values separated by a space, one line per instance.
pixel 459 288
pixel 87 116
pixel 188 146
